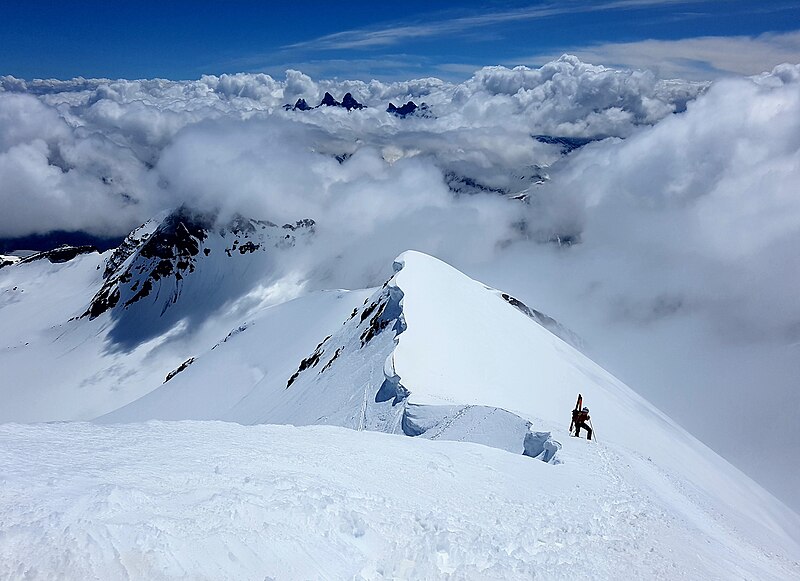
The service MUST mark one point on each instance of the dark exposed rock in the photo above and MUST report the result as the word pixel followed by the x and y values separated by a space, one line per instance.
pixel 329 101
pixel 310 361
pixel 329 363
pixel 248 247
pixel 180 368
pixel 376 324
pixel 388 312
pixel 305 223
pixel 170 249
pixel 410 108
pixel 147 288
pixel 233 333
pixel 128 246
pixel 58 255
pixel 301 105
pixel 179 235
pixel 349 102
pixel 403 110
pixel 102 302
pixel 368 311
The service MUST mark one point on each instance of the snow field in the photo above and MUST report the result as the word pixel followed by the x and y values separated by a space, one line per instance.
pixel 211 500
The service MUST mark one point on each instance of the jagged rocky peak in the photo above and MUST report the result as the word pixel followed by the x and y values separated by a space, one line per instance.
pixel 178 235
pixel 299 105
pixel 410 108
pixel 302 105
pixel 329 101
pixel 167 252
pixel 148 255
pixel 349 102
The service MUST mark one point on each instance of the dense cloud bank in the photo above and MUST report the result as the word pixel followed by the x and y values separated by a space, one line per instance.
pixel 96 144
pixel 669 241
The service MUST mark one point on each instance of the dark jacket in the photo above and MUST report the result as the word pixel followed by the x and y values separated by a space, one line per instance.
pixel 579 417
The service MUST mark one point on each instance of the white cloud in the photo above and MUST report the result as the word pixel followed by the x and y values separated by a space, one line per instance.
pixel 702 57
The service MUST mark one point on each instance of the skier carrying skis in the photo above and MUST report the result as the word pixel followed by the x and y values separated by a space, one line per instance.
pixel 579 420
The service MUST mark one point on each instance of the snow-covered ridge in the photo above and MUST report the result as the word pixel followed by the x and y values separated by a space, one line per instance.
pixel 429 355
pixel 436 355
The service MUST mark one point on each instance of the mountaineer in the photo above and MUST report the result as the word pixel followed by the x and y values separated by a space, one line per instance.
pixel 580 417
pixel 579 420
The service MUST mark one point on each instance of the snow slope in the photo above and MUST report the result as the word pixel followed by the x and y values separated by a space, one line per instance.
pixel 82 337
pixel 211 500
pixel 57 368
pixel 431 354
pixel 437 355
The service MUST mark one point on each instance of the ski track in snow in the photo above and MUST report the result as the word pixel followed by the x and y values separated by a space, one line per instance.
pixel 210 500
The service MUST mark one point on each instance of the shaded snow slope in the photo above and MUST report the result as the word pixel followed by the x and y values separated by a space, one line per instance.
pixel 437 355
pixel 110 327
pixel 253 361
pixel 57 368
pixel 211 500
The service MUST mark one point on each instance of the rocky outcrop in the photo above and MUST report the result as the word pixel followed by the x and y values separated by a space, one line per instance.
pixel 410 108
pixel 329 101
pixel 349 102
pixel 61 254
pixel 157 258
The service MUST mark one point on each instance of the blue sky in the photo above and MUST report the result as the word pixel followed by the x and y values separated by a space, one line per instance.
pixel 389 40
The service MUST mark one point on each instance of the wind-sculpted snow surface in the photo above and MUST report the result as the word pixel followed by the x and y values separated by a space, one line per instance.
pixel 214 500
